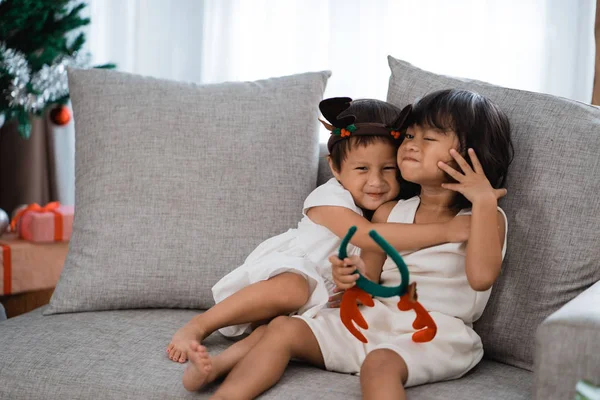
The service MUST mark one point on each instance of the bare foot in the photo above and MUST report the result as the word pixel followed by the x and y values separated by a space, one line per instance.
pixel 178 348
pixel 197 372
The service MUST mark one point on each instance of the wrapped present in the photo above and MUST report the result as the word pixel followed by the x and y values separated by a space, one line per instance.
pixel 51 223
pixel 27 266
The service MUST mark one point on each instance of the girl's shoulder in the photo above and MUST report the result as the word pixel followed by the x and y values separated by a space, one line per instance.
pixel 331 193
pixel 411 200
pixel 404 210
pixel 409 203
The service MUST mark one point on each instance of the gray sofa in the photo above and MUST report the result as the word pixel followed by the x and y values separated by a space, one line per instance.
pixel 144 248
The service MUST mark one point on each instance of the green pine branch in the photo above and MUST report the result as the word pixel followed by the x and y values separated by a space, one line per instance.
pixel 44 31
pixel 40 28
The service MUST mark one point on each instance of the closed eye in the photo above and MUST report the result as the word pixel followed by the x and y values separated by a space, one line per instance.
pixel 361 168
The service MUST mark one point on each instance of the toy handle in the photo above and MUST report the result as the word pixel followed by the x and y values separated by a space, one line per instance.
pixel 370 286
pixel 343 251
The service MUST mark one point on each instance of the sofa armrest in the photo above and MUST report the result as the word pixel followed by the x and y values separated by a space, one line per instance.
pixel 568 347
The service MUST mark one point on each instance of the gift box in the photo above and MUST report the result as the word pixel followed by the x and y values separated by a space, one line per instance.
pixel 27 266
pixel 51 223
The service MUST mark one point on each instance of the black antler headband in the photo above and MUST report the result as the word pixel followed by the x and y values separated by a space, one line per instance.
pixel 342 128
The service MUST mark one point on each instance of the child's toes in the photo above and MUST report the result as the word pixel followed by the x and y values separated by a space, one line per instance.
pixel 207 367
pixel 205 362
pixel 175 355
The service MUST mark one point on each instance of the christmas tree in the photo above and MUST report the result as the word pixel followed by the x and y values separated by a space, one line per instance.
pixel 39 39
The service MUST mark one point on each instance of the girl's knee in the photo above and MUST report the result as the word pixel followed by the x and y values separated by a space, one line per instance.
pixel 384 361
pixel 280 332
pixel 286 329
pixel 259 331
pixel 292 290
pixel 282 324
pixel 294 335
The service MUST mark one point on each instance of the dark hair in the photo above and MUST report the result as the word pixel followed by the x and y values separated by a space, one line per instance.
pixel 365 110
pixel 478 123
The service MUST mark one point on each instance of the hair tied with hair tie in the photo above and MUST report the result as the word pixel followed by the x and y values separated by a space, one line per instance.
pixel 395 134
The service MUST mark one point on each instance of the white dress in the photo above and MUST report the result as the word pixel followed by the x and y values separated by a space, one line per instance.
pixel 304 250
pixel 443 290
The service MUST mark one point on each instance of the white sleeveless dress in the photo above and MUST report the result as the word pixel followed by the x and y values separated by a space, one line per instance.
pixel 304 250
pixel 443 290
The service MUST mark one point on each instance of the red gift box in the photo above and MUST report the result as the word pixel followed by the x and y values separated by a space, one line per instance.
pixel 27 266
pixel 51 223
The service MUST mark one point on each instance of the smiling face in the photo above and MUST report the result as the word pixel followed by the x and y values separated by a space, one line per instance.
pixel 370 174
pixel 421 150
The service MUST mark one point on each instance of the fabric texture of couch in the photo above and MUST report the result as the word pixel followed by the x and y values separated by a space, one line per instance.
pixel 552 214
pixel 540 327
pixel 201 173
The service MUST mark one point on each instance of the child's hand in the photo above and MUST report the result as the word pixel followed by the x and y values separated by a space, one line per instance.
pixel 335 300
pixel 459 228
pixel 343 271
pixel 472 183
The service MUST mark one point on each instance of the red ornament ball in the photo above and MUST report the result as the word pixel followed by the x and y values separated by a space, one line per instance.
pixel 60 115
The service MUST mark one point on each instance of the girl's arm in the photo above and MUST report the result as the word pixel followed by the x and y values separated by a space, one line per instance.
pixel 400 236
pixel 484 248
pixel 374 259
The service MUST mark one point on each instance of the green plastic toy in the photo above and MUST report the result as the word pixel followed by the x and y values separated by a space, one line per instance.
pixel 371 287
pixel 349 310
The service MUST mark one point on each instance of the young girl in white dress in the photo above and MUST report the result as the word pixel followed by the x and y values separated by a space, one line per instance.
pixel 453 279
pixel 290 273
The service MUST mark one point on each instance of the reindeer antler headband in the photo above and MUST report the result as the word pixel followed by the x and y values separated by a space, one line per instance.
pixel 342 128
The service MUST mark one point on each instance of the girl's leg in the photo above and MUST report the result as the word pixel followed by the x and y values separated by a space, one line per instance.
pixel 285 338
pixel 382 376
pixel 204 369
pixel 282 294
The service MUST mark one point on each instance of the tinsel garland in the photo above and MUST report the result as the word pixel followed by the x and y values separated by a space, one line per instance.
pixel 31 93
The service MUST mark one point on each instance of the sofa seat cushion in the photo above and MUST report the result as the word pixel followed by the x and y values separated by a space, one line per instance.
pixel 121 355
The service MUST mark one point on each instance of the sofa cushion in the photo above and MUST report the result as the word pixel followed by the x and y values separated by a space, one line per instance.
pixel 552 206
pixel 176 183
pixel 121 355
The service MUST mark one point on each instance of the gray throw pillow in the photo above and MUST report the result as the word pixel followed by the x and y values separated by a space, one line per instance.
pixel 176 183
pixel 552 206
